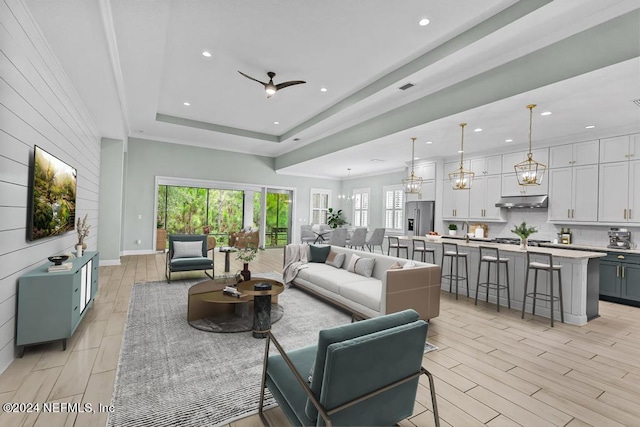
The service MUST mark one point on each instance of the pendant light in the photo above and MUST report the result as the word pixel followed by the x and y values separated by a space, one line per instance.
pixel 461 179
pixel 530 172
pixel 345 198
pixel 413 184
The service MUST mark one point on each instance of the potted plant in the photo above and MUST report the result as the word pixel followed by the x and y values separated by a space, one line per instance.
pixel 523 232
pixel 246 255
pixel 335 218
pixel 453 229
pixel 83 231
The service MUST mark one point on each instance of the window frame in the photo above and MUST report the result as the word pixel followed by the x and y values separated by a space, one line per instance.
pixel 320 191
pixel 394 211
pixel 355 211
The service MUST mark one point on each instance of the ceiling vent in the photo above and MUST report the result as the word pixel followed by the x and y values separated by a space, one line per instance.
pixel 636 101
pixel 296 139
pixel 405 87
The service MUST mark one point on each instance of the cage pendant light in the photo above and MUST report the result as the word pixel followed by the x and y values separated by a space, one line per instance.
pixel 461 179
pixel 346 198
pixel 413 184
pixel 530 172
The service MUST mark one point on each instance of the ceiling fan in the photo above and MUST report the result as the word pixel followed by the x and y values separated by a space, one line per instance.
pixel 271 88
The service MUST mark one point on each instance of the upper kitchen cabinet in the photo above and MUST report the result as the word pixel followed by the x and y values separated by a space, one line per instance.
pixel 540 155
pixel 578 154
pixel 455 203
pixel 483 196
pixel 620 148
pixel 427 171
pixel 491 165
pixel 572 195
pixel 510 186
pixel 619 192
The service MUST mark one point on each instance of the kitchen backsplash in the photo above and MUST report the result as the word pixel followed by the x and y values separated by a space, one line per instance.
pixel 595 235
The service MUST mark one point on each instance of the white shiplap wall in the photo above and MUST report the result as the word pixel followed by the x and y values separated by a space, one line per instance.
pixel 38 106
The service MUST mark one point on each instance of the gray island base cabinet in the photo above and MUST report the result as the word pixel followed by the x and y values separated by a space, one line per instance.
pixel 580 278
pixel 51 305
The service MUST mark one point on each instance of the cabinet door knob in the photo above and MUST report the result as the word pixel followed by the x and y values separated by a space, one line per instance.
pixel 620 256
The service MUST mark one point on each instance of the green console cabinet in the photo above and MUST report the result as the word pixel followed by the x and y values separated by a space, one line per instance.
pixel 52 304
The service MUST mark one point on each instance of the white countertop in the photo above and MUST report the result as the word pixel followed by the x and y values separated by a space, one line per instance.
pixel 555 250
pixel 581 247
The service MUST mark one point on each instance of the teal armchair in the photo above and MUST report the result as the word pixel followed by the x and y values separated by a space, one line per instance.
pixel 360 374
pixel 188 252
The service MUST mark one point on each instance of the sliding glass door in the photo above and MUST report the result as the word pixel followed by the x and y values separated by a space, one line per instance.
pixel 278 218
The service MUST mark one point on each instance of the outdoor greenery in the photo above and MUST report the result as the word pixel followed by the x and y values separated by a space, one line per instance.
pixel 190 210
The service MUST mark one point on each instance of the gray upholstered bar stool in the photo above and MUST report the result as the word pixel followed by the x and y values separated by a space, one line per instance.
pixel 420 247
pixel 450 250
pixel 549 267
pixel 491 256
pixel 394 243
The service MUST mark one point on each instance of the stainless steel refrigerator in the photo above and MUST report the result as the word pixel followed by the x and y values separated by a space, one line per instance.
pixel 419 218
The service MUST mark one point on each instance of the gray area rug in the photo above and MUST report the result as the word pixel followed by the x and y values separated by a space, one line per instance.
pixel 170 374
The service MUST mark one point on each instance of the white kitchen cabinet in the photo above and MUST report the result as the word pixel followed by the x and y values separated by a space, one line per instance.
pixel 619 192
pixel 483 196
pixel 426 170
pixel 491 165
pixel 578 154
pixel 620 148
pixel 540 155
pixel 572 194
pixel 510 186
pixel 455 203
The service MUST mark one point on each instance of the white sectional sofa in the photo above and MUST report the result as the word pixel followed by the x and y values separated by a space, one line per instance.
pixel 386 291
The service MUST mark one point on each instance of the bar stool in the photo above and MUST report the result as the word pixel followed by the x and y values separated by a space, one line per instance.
pixel 394 243
pixel 420 246
pixel 493 258
pixel 549 267
pixel 450 250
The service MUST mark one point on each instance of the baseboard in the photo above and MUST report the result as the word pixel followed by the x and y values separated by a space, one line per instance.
pixel 106 262
pixel 139 252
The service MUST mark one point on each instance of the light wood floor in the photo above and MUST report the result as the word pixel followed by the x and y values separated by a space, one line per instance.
pixel 491 368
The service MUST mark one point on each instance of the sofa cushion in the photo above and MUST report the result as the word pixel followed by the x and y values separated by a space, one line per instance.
pixel 335 260
pixel 367 292
pixel 319 253
pixel 330 278
pixel 187 249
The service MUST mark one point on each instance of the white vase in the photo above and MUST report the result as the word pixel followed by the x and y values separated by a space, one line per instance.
pixel 78 251
pixel 452 232
pixel 523 244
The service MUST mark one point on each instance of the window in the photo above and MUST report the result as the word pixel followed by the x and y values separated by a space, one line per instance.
pixel 393 208
pixel 319 205
pixel 361 207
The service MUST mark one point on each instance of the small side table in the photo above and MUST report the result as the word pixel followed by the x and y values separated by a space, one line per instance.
pixel 227 250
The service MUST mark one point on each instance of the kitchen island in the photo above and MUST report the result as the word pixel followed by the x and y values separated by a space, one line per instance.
pixel 580 277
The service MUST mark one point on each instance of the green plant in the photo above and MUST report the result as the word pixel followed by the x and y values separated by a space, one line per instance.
pixel 453 227
pixel 335 218
pixel 247 254
pixel 523 231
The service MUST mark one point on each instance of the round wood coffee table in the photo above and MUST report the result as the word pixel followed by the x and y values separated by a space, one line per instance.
pixel 209 309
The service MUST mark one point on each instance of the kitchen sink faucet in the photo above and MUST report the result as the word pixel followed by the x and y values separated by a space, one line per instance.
pixel 466 236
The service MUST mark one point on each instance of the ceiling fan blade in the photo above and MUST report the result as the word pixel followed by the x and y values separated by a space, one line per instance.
pixel 251 78
pixel 290 83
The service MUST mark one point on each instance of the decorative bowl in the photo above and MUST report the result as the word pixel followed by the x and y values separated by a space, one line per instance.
pixel 58 259
pixel 432 238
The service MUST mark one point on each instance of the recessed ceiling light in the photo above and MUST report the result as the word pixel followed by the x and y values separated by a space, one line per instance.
pixel 276 123
pixel 423 22
pixel 546 113
pixel 416 158
pixel 429 142
pixel 477 130
pixel 186 103
pixel 323 89
pixel 206 54
pixel 590 127
pixel 508 140
pixel 460 151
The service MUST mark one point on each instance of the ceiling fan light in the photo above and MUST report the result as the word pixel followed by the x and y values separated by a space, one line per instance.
pixel 270 90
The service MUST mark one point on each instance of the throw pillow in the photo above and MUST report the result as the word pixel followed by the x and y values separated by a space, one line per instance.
pixel 335 260
pixel 187 249
pixel 352 263
pixel 395 266
pixel 364 266
pixel 319 253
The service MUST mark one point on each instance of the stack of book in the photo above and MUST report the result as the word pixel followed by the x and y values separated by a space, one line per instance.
pixel 62 267
pixel 231 291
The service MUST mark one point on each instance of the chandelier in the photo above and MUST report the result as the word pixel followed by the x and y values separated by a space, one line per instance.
pixel 530 172
pixel 461 179
pixel 345 198
pixel 412 184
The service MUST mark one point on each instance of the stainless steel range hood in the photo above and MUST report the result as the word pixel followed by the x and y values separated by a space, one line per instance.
pixel 523 202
